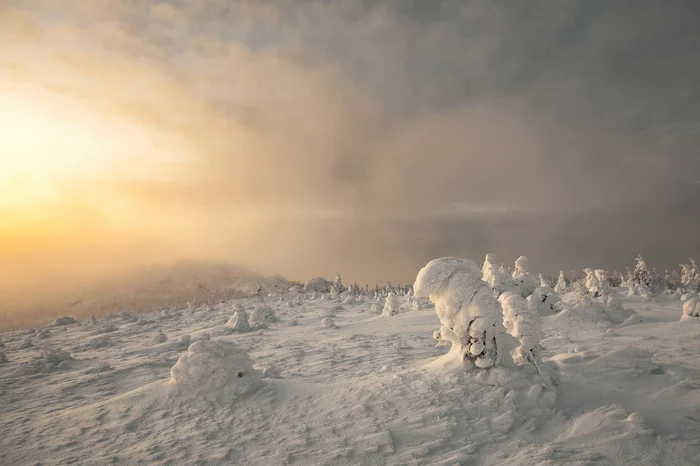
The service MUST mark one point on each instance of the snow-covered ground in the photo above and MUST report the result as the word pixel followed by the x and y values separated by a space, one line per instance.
pixel 336 383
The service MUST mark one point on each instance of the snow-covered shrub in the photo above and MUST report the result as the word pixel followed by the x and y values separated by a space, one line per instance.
pixel 43 334
pixel 327 322
pixel 523 323
pixel 391 305
pixel 159 337
pixel 525 283
pixel 93 319
pixel 184 342
pixel 562 286
pixel 238 322
pixel 215 370
pixel 261 316
pixel 374 308
pixel 3 358
pixel 547 300
pixel 350 300
pixel 493 274
pixel 204 336
pixel 26 343
pixel 470 316
pixel 2 344
pixel 691 308
pixel 317 285
pixel 615 312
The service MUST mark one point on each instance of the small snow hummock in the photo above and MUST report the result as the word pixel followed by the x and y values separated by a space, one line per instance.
pixel 471 317
pixel 60 321
pixel 391 305
pixel 328 322
pixel 261 316
pixel 215 370
pixel 238 322
pixel 691 308
pixel 159 337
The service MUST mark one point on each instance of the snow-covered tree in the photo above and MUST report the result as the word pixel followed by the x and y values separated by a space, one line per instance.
pixel 391 305
pixel 543 280
pixel 523 323
pixel 493 273
pixel 338 283
pixel 238 322
pixel 548 301
pixel 640 271
pixel 690 277
pixel 470 316
pixel 525 283
pixel 561 287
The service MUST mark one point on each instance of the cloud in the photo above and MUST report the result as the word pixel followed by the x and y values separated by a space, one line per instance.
pixel 308 137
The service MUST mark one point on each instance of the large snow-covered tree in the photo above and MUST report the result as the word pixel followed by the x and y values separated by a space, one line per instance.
pixel 470 316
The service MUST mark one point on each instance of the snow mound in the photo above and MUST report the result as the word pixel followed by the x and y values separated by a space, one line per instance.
pixel 318 285
pixel 60 321
pixel 691 308
pixel 238 322
pixel 471 317
pixel 216 371
pixel 159 337
pixel 328 322
pixel 261 316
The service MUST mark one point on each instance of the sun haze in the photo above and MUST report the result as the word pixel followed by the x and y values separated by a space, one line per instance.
pixel 307 137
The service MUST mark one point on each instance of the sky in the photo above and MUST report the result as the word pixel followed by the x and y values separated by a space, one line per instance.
pixel 364 137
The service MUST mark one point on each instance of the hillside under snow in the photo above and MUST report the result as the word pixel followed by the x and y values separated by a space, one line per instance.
pixel 473 365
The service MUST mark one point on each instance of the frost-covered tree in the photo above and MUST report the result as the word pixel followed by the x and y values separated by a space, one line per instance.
pixel 391 305
pixel 338 283
pixel 690 277
pixel 470 316
pixel 238 322
pixel 543 280
pixel 640 271
pixel 561 287
pixel 525 283
pixel 493 273
pixel 522 322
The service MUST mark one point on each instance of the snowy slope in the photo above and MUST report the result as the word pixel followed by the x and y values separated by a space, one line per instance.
pixel 362 392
